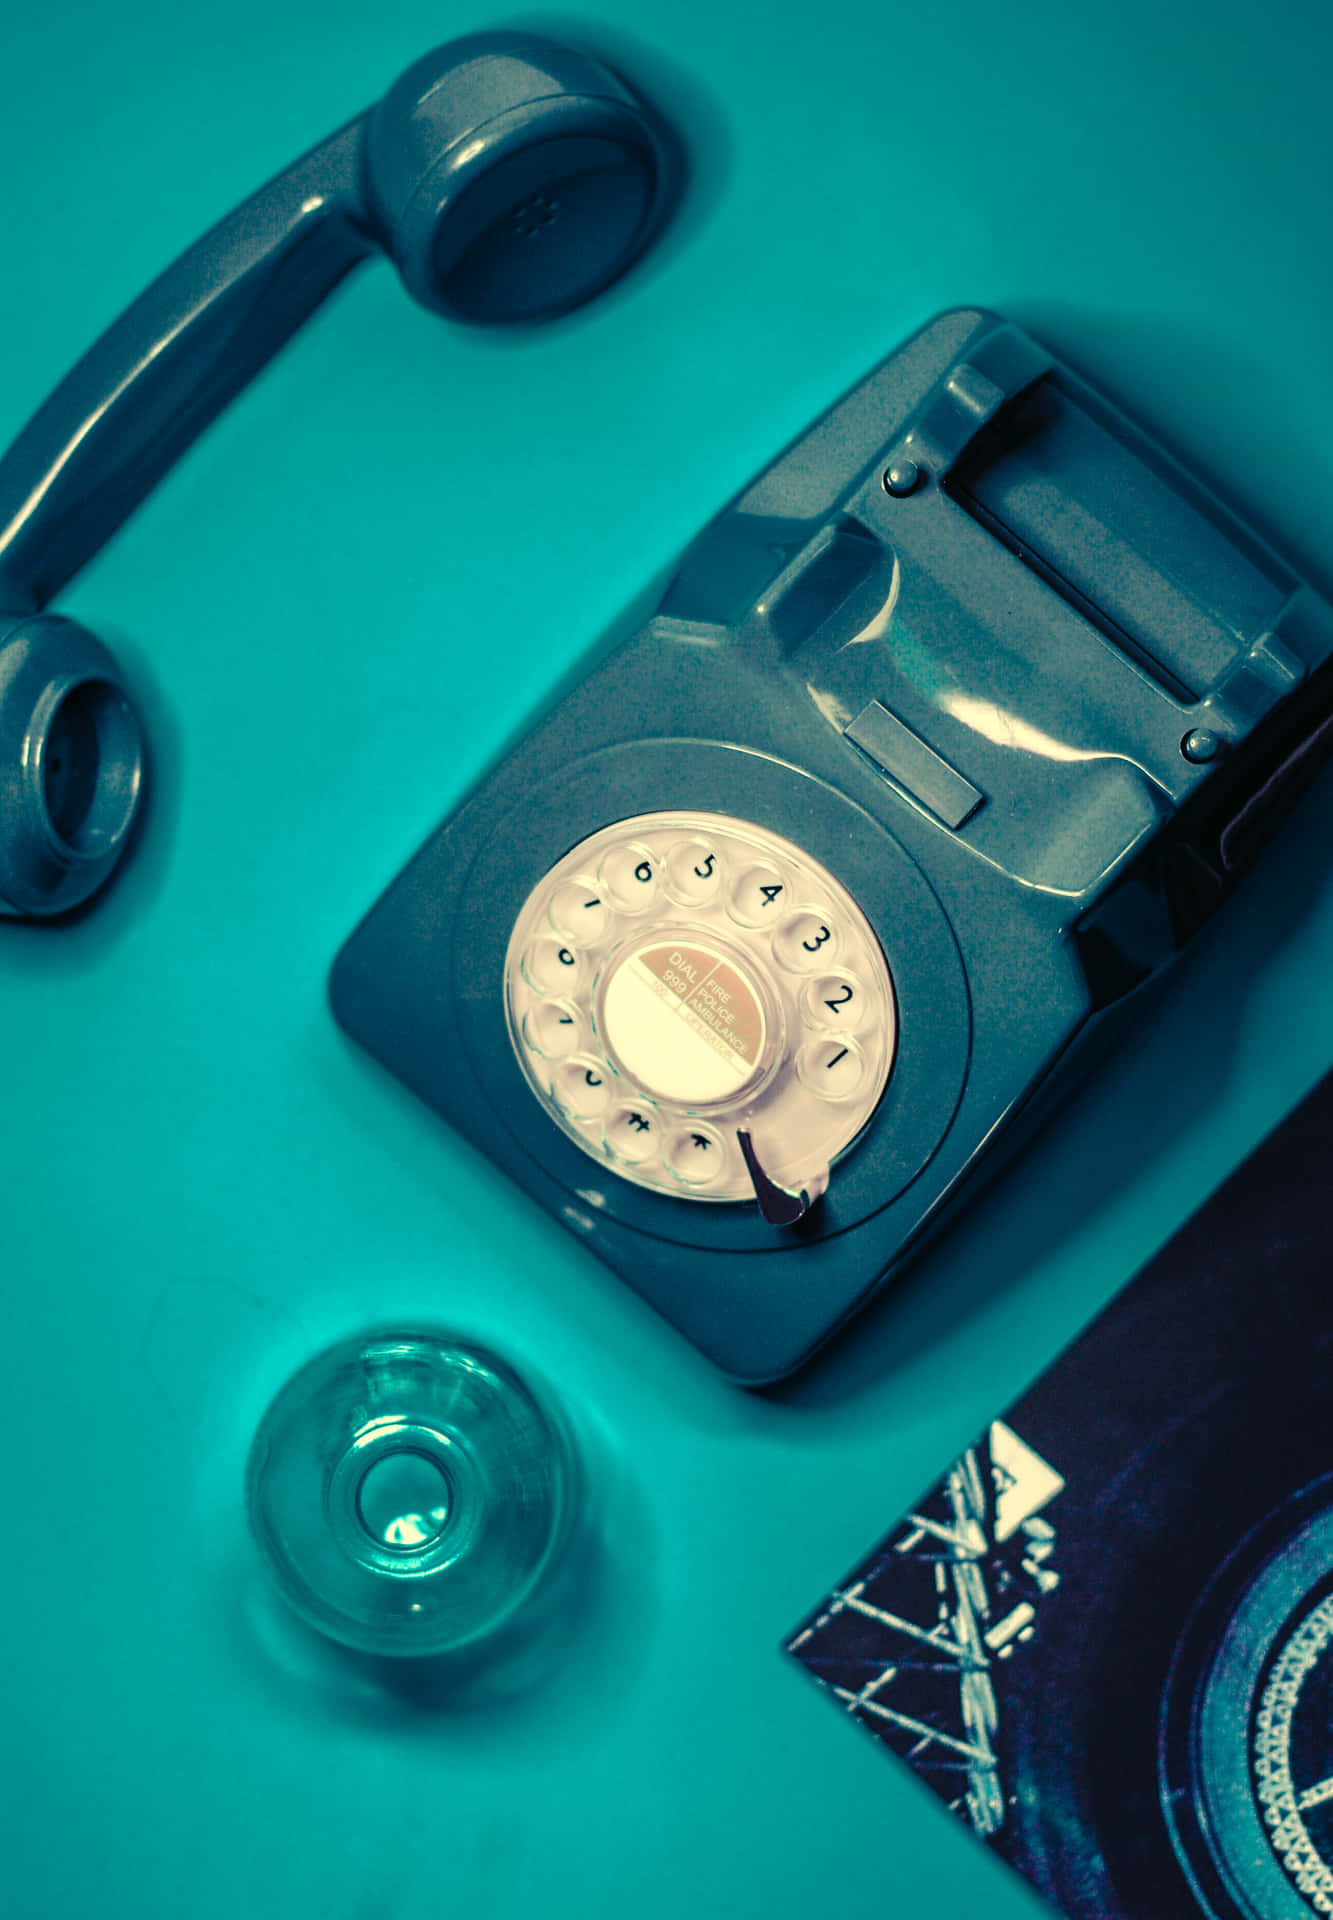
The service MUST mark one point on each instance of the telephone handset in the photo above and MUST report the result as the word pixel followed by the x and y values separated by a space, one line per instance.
pixel 811 897
pixel 509 178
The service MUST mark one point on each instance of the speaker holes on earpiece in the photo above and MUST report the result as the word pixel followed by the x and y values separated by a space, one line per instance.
pixel 534 213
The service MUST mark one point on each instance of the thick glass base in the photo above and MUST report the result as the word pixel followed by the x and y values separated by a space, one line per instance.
pixel 409 1492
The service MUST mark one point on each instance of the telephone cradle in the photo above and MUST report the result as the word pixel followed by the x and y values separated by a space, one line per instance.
pixel 805 904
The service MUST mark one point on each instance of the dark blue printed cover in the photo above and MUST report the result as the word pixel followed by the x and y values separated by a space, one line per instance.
pixel 1105 1636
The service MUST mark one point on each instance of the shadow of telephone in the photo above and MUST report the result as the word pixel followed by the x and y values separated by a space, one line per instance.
pixel 798 912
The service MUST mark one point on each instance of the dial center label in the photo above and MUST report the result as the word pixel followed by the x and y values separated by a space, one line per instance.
pixel 716 1000
pixel 686 1022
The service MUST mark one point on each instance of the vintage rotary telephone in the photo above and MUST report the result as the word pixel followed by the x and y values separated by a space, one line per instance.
pixel 798 911
pixel 507 177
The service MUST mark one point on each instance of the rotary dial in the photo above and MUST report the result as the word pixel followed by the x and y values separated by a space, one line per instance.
pixel 702 1007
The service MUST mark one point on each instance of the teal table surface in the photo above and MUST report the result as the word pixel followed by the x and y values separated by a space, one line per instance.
pixel 344 600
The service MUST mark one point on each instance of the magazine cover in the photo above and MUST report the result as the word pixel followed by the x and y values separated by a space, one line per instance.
pixel 1105 1637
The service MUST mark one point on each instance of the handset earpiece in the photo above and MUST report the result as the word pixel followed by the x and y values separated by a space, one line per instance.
pixel 512 179
pixel 509 178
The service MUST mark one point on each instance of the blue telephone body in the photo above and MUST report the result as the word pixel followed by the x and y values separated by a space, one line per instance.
pixel 807 901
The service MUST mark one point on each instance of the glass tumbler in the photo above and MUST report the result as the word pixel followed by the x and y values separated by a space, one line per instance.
pixel 410 1491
